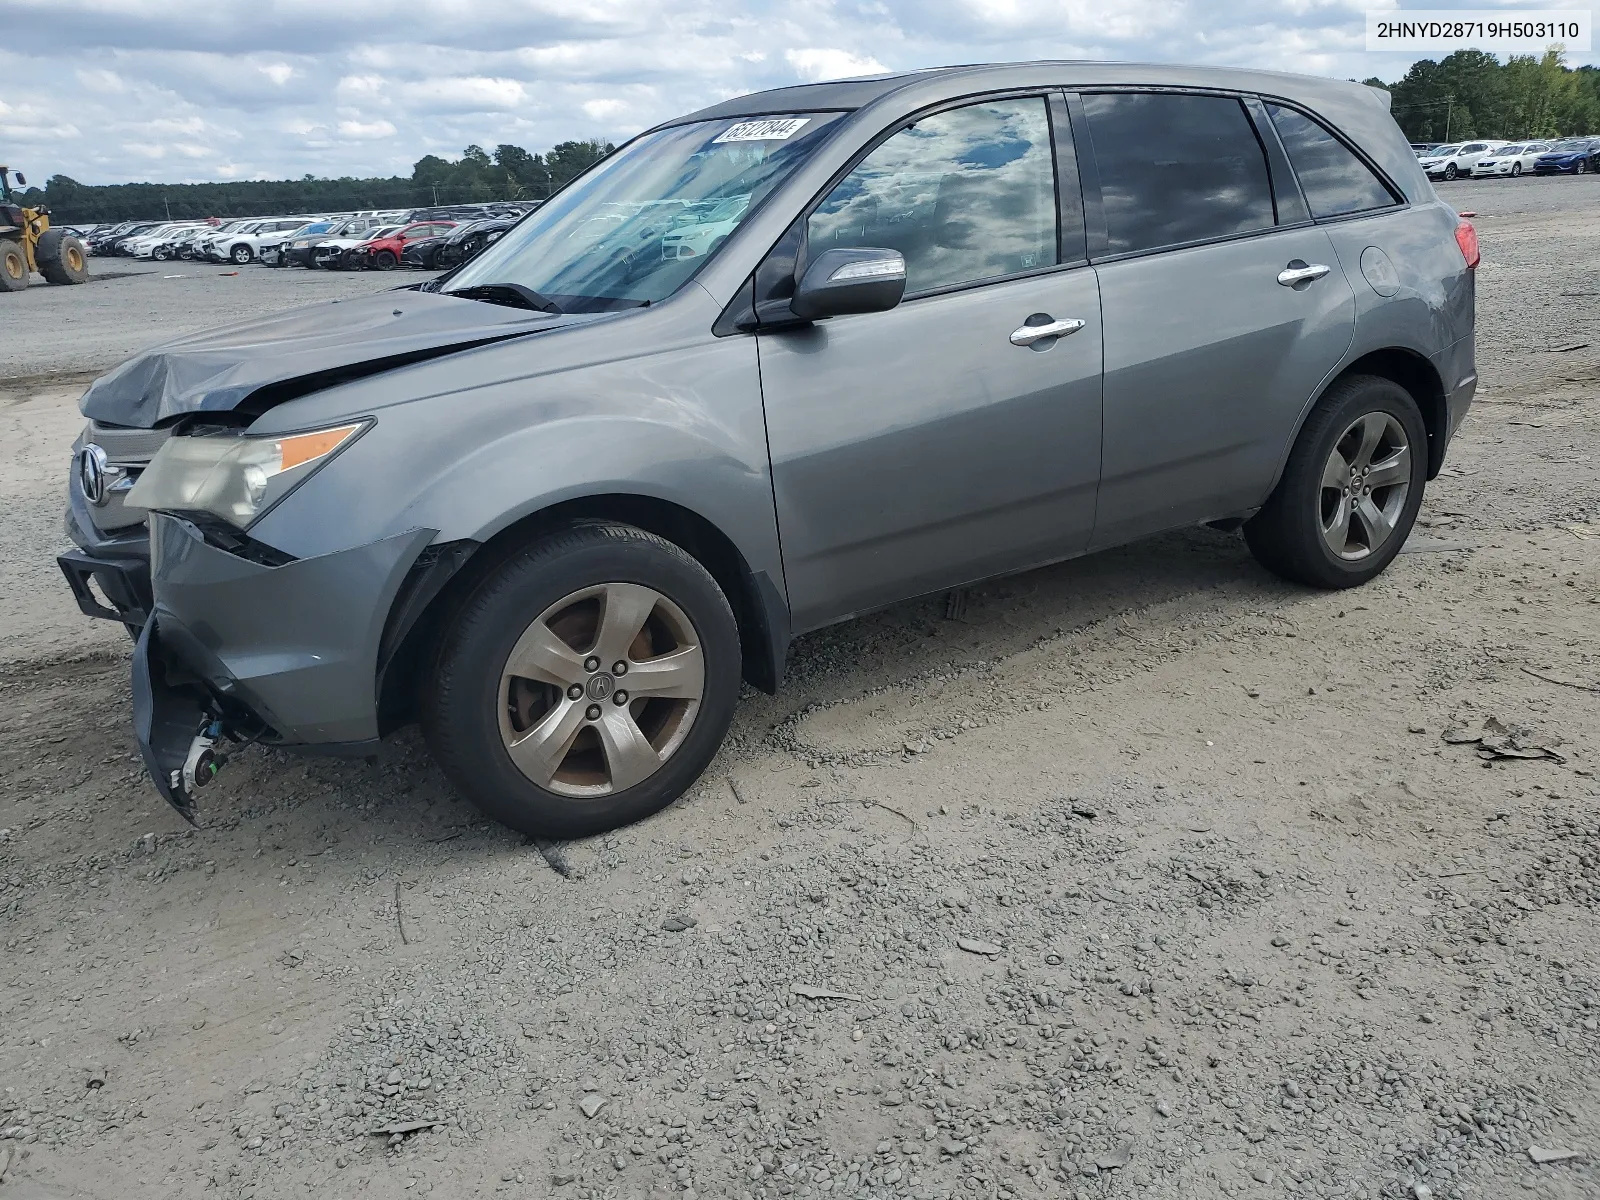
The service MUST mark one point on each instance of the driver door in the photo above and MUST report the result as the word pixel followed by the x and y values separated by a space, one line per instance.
pixel 941 442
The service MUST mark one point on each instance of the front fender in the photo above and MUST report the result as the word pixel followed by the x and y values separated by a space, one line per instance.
pixel 645 405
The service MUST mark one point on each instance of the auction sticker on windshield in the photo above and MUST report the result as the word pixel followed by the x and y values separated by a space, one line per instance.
pixel 777 129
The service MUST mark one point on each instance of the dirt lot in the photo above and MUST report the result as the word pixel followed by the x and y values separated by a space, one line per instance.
pixel 1147 876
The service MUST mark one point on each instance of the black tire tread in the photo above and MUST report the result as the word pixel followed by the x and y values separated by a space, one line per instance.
pixel 50 254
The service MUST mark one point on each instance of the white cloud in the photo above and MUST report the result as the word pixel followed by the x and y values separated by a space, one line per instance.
pixel 202 89
pixel 466 94
pixel 818 63
pixel 606 109
pixel 364 130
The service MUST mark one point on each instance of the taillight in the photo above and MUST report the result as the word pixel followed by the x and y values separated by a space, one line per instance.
pixel 1467 239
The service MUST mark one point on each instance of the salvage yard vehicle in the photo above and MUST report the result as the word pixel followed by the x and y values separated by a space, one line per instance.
pixel 240 244
pixel 970 321
pixel 276 252
pixel 423 253
pixel 339 253
pixel 28 244
pixel 383 254
pixel 302 248
pixel 1569 156
pixel 1449 162
pixel 1510 160
pixel 468 240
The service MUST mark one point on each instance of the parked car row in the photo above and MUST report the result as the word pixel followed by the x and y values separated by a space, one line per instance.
pixel 1492 156
pixel 326 240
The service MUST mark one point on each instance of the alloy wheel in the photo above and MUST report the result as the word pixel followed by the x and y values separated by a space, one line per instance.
pixel 1364 486
pixel 601 690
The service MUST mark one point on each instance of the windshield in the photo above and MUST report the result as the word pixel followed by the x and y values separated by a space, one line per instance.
pixel 1509 150
pixel 1570 144
pixel 616 237
pixel 1443 151
pixel 319 227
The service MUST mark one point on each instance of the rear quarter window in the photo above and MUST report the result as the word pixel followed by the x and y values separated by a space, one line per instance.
pixel 1334 180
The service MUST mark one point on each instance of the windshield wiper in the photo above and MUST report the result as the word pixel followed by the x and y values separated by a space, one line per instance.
pixel 515 295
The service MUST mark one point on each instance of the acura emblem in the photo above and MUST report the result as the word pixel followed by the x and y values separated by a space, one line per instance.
pixel 92 464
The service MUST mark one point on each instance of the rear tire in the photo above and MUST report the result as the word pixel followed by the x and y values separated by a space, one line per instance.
pixel 13 266
pixel 1330 523
pixel 593 756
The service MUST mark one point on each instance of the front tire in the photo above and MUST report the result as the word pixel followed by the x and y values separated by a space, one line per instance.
pixel 1450 171
pixel 1351 490
pixel 529 713
pixel 1516 169
pixel 385 260
pixel 241 254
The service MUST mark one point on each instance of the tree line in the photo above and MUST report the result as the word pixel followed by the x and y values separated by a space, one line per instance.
pixel 1472 94
pixel 509 173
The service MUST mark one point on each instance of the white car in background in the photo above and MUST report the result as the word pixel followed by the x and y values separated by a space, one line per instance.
pixel 243 245
pixel 1458 158
pixel 1510 160
pixel 205 245
pixel 144 246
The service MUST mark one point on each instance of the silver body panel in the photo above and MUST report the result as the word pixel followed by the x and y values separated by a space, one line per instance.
pixel 864 459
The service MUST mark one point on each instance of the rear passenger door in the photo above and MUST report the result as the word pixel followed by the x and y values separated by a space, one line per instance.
pixel 1224 306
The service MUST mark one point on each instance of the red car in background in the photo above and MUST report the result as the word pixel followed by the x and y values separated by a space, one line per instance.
pixel 384 254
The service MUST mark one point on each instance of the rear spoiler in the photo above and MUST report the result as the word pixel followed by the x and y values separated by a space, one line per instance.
pixel 1388 97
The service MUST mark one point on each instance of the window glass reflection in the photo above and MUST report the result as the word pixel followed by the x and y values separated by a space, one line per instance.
pixel 1334 180
pixel 964 195
pixel 1176 169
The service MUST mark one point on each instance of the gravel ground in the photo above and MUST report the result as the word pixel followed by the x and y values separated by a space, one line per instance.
pixel 1148 876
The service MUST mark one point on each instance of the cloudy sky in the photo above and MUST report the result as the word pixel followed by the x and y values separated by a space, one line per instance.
pixel 177 90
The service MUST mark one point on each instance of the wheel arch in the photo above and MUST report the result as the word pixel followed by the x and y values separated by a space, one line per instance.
pixel 1418 376
pixel 413 632
pixel 1410 370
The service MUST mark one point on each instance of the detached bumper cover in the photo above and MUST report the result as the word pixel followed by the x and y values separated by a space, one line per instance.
pixel 117 563
pixel 295 646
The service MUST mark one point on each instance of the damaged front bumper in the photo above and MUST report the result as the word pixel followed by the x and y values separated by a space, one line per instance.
pixel 284 654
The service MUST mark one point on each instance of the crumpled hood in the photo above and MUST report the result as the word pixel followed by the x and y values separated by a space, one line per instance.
pixel 217 370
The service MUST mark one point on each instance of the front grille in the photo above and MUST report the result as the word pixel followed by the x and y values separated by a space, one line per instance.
pixel 128 451
pixel 127 446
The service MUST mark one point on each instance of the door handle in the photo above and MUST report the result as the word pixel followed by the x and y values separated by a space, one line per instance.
pixel 1029 334
pixel 1299 271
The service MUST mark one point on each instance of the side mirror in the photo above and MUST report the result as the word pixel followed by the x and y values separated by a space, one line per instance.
pixel 850 280
pixel 22 180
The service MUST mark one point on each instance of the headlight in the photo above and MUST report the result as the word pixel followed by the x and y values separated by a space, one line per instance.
pixel 235 478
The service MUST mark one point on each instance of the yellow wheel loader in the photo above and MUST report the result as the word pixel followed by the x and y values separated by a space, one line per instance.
pixel 27 243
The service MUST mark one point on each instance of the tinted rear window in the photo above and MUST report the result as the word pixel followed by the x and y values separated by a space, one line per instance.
pixel 1176 169
pixel 1334 179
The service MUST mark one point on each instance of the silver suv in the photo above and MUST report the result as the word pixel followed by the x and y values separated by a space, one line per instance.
pixel 770 365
